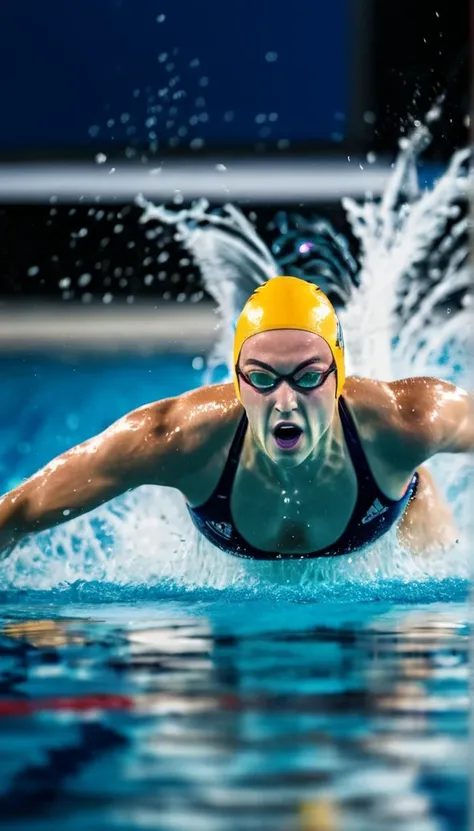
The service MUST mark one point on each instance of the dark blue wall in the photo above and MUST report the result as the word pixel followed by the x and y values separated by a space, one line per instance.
pixel 66 65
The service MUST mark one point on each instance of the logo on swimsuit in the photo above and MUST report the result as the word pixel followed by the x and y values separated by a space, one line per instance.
pixel 221 528
pixel 375 510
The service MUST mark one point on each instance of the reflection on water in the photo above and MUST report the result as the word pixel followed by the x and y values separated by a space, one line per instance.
pixel 255 716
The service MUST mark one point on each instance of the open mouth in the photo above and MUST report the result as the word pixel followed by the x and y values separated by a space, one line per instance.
pixel 287 436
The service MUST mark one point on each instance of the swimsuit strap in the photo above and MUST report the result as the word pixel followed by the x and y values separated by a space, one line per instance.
pixel 226 481
pixel 356 451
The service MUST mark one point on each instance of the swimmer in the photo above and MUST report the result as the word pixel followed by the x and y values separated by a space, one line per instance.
pixel 290 461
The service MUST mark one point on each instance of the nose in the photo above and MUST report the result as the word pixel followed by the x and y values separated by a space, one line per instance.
pixel 285 399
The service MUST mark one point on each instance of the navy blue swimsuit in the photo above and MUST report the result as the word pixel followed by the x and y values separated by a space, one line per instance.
pixel 373 515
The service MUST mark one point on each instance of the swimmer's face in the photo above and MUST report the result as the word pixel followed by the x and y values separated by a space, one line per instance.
pixel 288 419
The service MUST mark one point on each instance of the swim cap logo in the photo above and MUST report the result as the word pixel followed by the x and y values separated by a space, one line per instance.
pixel 339 335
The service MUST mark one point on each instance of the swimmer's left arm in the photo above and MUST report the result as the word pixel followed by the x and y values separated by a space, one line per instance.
pixel 440 414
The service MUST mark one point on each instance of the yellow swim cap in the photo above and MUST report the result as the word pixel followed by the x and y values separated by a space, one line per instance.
pixel 290 303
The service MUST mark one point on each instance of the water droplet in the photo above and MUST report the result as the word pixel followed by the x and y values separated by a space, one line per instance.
pixel 64 283
pixel 84 280
pixel 229 116
pixel 107 298
pixel 196 143
pixel 371 157
pixel 161 18
pixel 221 168
pixel 94 130
pixel 271 57
pixel 118 229
pixel 148 279
pixel 283 144
pixel 33 271
pixel 198 362
pixel 369 117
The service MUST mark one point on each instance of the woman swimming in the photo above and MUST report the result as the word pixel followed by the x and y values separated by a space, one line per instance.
pixel 290 461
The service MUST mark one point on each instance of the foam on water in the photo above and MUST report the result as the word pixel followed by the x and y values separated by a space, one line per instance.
pixel 410 297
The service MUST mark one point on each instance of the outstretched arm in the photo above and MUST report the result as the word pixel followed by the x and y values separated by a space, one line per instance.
pixel 132 452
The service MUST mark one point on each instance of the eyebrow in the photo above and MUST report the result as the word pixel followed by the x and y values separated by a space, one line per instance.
pixel 263 365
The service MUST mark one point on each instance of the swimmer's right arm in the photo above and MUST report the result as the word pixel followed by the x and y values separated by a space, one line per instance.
pixel 136 450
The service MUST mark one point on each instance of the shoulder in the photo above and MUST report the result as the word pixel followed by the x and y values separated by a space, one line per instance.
pixel 180 437
pixel 409 418
pixel 198 418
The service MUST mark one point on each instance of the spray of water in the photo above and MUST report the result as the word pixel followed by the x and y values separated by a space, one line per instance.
pixel 410 297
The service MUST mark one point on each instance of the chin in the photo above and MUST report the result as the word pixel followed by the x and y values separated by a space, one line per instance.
pixel 287 459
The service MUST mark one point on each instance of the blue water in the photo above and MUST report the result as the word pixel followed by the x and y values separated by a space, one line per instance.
pixel 171 706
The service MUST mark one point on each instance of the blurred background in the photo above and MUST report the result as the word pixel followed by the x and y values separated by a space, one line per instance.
pixel 248 103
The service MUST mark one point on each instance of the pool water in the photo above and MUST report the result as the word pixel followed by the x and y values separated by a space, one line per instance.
pixel 171 706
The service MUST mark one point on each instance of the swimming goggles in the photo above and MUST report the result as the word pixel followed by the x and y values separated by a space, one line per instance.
pixel 263 380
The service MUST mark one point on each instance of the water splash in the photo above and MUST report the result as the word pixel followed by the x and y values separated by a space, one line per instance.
pixel 231 256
